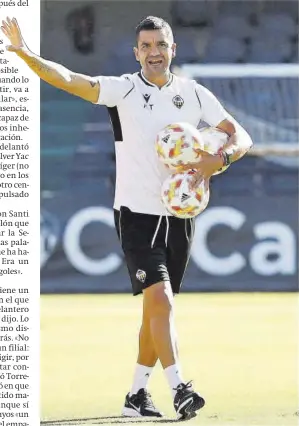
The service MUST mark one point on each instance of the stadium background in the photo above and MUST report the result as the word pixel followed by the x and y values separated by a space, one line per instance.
pixel 247 238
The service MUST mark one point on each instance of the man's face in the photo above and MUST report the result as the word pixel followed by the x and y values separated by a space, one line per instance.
pixel 155 50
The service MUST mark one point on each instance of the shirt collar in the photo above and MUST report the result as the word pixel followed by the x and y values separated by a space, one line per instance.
pixel 148 83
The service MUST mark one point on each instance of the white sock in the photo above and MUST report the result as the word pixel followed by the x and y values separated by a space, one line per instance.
pixel 174 377
pixel 141 376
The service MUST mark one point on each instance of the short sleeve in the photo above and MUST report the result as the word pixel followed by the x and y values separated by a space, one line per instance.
pixel 212 110
pixel 113 89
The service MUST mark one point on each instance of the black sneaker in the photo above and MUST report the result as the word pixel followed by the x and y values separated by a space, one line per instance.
pixel 140 405
pixel 187 402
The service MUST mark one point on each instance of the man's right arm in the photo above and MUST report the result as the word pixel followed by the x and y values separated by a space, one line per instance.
pixel 57 75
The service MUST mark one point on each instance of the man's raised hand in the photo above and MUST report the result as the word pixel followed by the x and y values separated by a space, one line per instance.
pixel 11 30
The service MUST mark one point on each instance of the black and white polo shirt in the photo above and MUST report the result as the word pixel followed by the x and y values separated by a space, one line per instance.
pixel 138 111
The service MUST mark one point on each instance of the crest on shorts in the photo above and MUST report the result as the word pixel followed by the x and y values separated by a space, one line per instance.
pixel 141 275
pixel 178 101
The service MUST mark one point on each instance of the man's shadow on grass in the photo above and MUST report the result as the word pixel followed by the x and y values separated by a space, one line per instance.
pixel 104 420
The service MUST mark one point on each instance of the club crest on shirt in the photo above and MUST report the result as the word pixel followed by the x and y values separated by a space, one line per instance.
pixel 178 101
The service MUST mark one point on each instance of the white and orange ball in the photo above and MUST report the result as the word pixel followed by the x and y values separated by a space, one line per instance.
pixel 214 141
pixel 179 144
pixel 182 201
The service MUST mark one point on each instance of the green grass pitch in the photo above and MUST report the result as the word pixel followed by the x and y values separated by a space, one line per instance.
pixel 241 350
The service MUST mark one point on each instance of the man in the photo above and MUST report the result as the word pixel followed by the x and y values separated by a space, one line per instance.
pixel 156 245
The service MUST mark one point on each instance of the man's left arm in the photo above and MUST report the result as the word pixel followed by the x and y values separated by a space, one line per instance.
pixel 239 142
pixel 215 115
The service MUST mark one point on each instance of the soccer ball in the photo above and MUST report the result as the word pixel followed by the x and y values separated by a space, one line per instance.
pixel 214 140
pixel 179 144
pixel 180 200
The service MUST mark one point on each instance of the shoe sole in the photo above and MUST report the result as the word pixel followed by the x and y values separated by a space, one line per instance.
pixel 190 411
pixel 130 412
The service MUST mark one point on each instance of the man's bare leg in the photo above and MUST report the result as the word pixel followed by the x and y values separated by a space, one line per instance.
pixel 158 307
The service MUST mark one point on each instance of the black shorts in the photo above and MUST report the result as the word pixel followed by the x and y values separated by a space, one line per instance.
pixel 156 248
